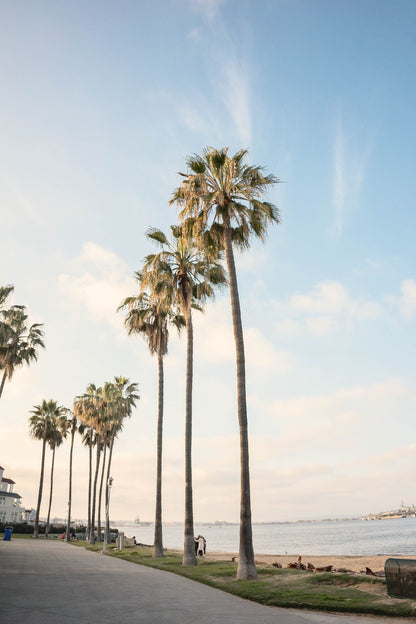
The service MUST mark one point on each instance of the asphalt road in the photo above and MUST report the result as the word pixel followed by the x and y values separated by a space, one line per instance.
pixel 51 582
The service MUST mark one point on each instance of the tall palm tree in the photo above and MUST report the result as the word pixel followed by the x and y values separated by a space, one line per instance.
pixel 185 275
pixel 222 202
pixel 106 445
pixel 91 409
pixel 123 396
pixel 19 343
pixel 150 315
pixel 41 426
pixel 59 428
pixel 73 427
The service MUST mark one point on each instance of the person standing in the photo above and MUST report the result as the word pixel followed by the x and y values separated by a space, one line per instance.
pixel 200 546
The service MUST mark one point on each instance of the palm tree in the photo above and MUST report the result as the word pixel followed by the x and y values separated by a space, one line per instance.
pixel 183 274
pixel 5 291
pixel 221 201
pixel 19 343
pixel 41 426
pixel 106 445
pixel 91 409
pixel 73 427
pixel 124 395
pixel 59 428
pixel 150 316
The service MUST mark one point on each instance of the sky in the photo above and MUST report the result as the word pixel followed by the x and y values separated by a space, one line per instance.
pixel 100 104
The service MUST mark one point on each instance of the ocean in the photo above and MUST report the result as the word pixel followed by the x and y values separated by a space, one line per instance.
pixel 346 537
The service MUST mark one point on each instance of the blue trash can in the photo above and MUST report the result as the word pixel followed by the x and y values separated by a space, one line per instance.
pixel 8 533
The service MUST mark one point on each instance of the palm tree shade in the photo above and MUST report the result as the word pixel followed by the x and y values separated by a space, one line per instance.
pixel 222 204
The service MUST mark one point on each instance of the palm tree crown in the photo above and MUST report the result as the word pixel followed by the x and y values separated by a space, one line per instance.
pixel 19 343
pixel 181 272
pixel 221 191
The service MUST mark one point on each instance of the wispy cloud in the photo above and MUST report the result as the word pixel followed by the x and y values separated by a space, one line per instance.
pixel 407 300
pixel 350 164
pixel 339 179
pixel 207 8
pixel 235 86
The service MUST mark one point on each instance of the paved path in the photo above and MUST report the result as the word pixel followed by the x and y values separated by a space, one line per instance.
pixel 50 582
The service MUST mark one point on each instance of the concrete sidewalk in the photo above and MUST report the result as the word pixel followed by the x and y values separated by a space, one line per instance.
pixel 50 582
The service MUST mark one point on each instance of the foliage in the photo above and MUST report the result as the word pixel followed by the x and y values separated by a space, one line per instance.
pixel 19 342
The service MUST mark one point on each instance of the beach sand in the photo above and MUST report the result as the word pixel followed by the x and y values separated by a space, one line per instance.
pixel 355 564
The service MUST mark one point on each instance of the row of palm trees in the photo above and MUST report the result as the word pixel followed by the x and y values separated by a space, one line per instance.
pixel 19 342
pixel 98 415
pixel 222 206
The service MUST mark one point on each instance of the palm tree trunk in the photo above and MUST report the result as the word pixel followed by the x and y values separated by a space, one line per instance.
pixel 3 381
pixel 42 471
pixel 246 564
pixel 189 557
pixel 107 493
pixel 50 495
pixel 94 493
pixel 68 522
pixel 88 532
pixel 101 493
pixel 158 539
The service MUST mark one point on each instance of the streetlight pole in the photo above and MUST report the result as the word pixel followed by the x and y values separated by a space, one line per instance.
pixel 107 511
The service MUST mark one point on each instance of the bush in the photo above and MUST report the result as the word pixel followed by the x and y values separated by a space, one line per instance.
pixel 28 528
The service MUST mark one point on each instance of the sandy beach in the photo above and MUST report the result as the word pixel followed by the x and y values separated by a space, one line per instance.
pixel 355 564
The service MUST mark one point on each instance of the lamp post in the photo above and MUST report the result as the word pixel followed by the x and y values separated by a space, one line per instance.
pixel 107 510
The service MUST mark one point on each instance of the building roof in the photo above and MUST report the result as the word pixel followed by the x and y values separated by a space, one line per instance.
pixel 10 494
pixel 8 480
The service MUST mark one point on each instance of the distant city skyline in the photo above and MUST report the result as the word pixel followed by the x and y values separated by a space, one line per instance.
pixel 100 104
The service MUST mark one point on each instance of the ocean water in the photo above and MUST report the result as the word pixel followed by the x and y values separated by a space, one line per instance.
pixel 346 537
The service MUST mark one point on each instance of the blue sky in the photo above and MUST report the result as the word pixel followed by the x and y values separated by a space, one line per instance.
pixel 100 103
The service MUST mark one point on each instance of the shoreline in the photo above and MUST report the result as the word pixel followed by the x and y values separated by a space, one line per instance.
pixel 349 562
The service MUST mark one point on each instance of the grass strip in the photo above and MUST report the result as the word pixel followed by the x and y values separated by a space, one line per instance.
pixel 343 593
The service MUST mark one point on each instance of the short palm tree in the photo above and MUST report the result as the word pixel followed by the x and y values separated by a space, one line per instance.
pixel 19 343
pixel 41 426
pixel 150 315
pixel 185 275
pixel 222 203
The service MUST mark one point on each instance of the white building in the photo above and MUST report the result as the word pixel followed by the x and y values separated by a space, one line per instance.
pixel 10 509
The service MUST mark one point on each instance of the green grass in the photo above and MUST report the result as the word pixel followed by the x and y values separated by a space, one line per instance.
pixel 20 536
pixel 344 593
